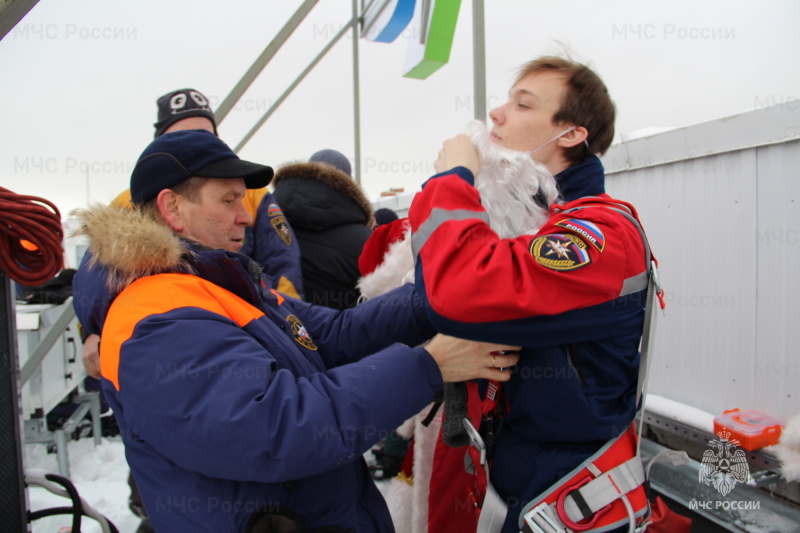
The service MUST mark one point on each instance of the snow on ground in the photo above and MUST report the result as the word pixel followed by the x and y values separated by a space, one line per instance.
pixel 100 474
pixel 680 412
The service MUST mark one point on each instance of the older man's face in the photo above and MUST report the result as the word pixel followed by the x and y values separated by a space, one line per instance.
pixel 219 218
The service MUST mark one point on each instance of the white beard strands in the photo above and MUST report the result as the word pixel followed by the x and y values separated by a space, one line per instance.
pixel 508 182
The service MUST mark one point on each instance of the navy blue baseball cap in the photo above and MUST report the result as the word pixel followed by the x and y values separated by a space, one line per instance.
pixel 175 157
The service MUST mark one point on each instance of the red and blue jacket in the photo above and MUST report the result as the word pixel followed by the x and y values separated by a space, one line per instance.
pixel 572 295
pixel 233 399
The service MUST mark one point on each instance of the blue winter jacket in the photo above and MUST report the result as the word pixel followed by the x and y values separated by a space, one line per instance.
pixel 233 399
pixel 271 242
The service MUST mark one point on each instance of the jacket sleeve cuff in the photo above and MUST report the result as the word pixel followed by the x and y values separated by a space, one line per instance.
pixel 430 368
pixel 421 315
pixel 462 172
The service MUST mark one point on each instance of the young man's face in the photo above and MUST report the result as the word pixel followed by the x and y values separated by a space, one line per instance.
pixel 525 122
pixel 218 219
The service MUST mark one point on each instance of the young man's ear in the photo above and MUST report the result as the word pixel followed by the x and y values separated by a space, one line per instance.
pixel 168 202
pixel 574 137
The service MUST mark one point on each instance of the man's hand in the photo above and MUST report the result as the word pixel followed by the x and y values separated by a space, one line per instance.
pixel 458 152
pixel 461 360
pixel 91 356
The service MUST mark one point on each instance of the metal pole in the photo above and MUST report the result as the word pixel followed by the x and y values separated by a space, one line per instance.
pixel 292 87
pixel 479 60
pixel 50 338
pixel 356 99
pixel 13 504
pixel 13 12
pixel 266 56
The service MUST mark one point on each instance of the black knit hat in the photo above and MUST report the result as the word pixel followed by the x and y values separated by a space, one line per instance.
pixel 181 104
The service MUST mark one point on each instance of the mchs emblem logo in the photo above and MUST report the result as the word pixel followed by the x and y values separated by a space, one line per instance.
pixel 300 332
pixel 560 251
pixel 724 465
pixel 278 222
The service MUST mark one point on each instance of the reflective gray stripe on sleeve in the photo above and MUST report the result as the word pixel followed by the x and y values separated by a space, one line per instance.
pixel 635 284
pixel 437 218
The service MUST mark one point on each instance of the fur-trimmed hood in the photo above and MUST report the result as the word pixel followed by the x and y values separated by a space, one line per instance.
pixel 129 245
pixel 317 196
pixel 125 246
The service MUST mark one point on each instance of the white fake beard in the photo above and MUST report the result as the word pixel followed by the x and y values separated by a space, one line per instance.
pixel 508 182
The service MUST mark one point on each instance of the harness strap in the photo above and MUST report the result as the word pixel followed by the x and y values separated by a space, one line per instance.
pixel 542 519
pixel 587 499
pixel 577 506
pixel 493 509
pixel 584 502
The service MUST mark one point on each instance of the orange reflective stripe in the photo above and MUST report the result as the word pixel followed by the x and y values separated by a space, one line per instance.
pixel 153 295
pixel 278 296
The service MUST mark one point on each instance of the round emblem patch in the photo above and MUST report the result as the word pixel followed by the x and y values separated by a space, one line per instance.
pixel 301 335
pixel 560 251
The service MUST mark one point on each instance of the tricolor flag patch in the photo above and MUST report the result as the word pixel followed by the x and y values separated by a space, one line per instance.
pixel 589 231
pixel 560 251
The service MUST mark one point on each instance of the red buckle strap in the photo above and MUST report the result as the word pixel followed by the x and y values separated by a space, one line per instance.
pixel 562 514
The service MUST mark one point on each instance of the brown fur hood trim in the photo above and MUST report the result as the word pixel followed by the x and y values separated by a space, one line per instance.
pixel 326 174
pixel 129 245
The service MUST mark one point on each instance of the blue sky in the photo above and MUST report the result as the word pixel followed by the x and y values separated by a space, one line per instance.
pixel 80 79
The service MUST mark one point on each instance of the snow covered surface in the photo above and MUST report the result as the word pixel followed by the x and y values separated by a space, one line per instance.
pixel 680 412
pixel 100 474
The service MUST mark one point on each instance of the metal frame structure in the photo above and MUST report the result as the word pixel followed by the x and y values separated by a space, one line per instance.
pixel 13 502
pixel 12 493
pixel 356 20
pixel 11 12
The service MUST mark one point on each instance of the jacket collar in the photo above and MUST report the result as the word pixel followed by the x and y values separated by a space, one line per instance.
pixel 234 272
pixel 584 179
pixel 128 246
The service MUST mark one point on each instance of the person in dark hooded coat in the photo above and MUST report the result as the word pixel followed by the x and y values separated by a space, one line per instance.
pixel 332 219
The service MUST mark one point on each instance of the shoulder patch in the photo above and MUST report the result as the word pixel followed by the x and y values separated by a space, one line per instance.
pixel 279 223
pixel 301 334
pixel 587 229
pixel 560 251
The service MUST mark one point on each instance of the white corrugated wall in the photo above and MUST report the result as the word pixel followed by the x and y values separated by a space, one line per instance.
pixel 725 228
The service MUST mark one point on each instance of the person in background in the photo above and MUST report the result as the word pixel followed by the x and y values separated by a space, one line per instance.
pixel 270 239
pixel 242 410
pixel 331 218
pixel 384 215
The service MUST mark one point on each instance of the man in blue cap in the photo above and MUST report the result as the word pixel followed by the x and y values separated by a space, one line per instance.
pixel 241 409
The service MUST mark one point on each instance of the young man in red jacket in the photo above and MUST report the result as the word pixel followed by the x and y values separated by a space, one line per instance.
pixel 570 292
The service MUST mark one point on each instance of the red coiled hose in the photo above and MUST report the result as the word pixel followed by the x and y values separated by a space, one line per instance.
pixel 37 221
